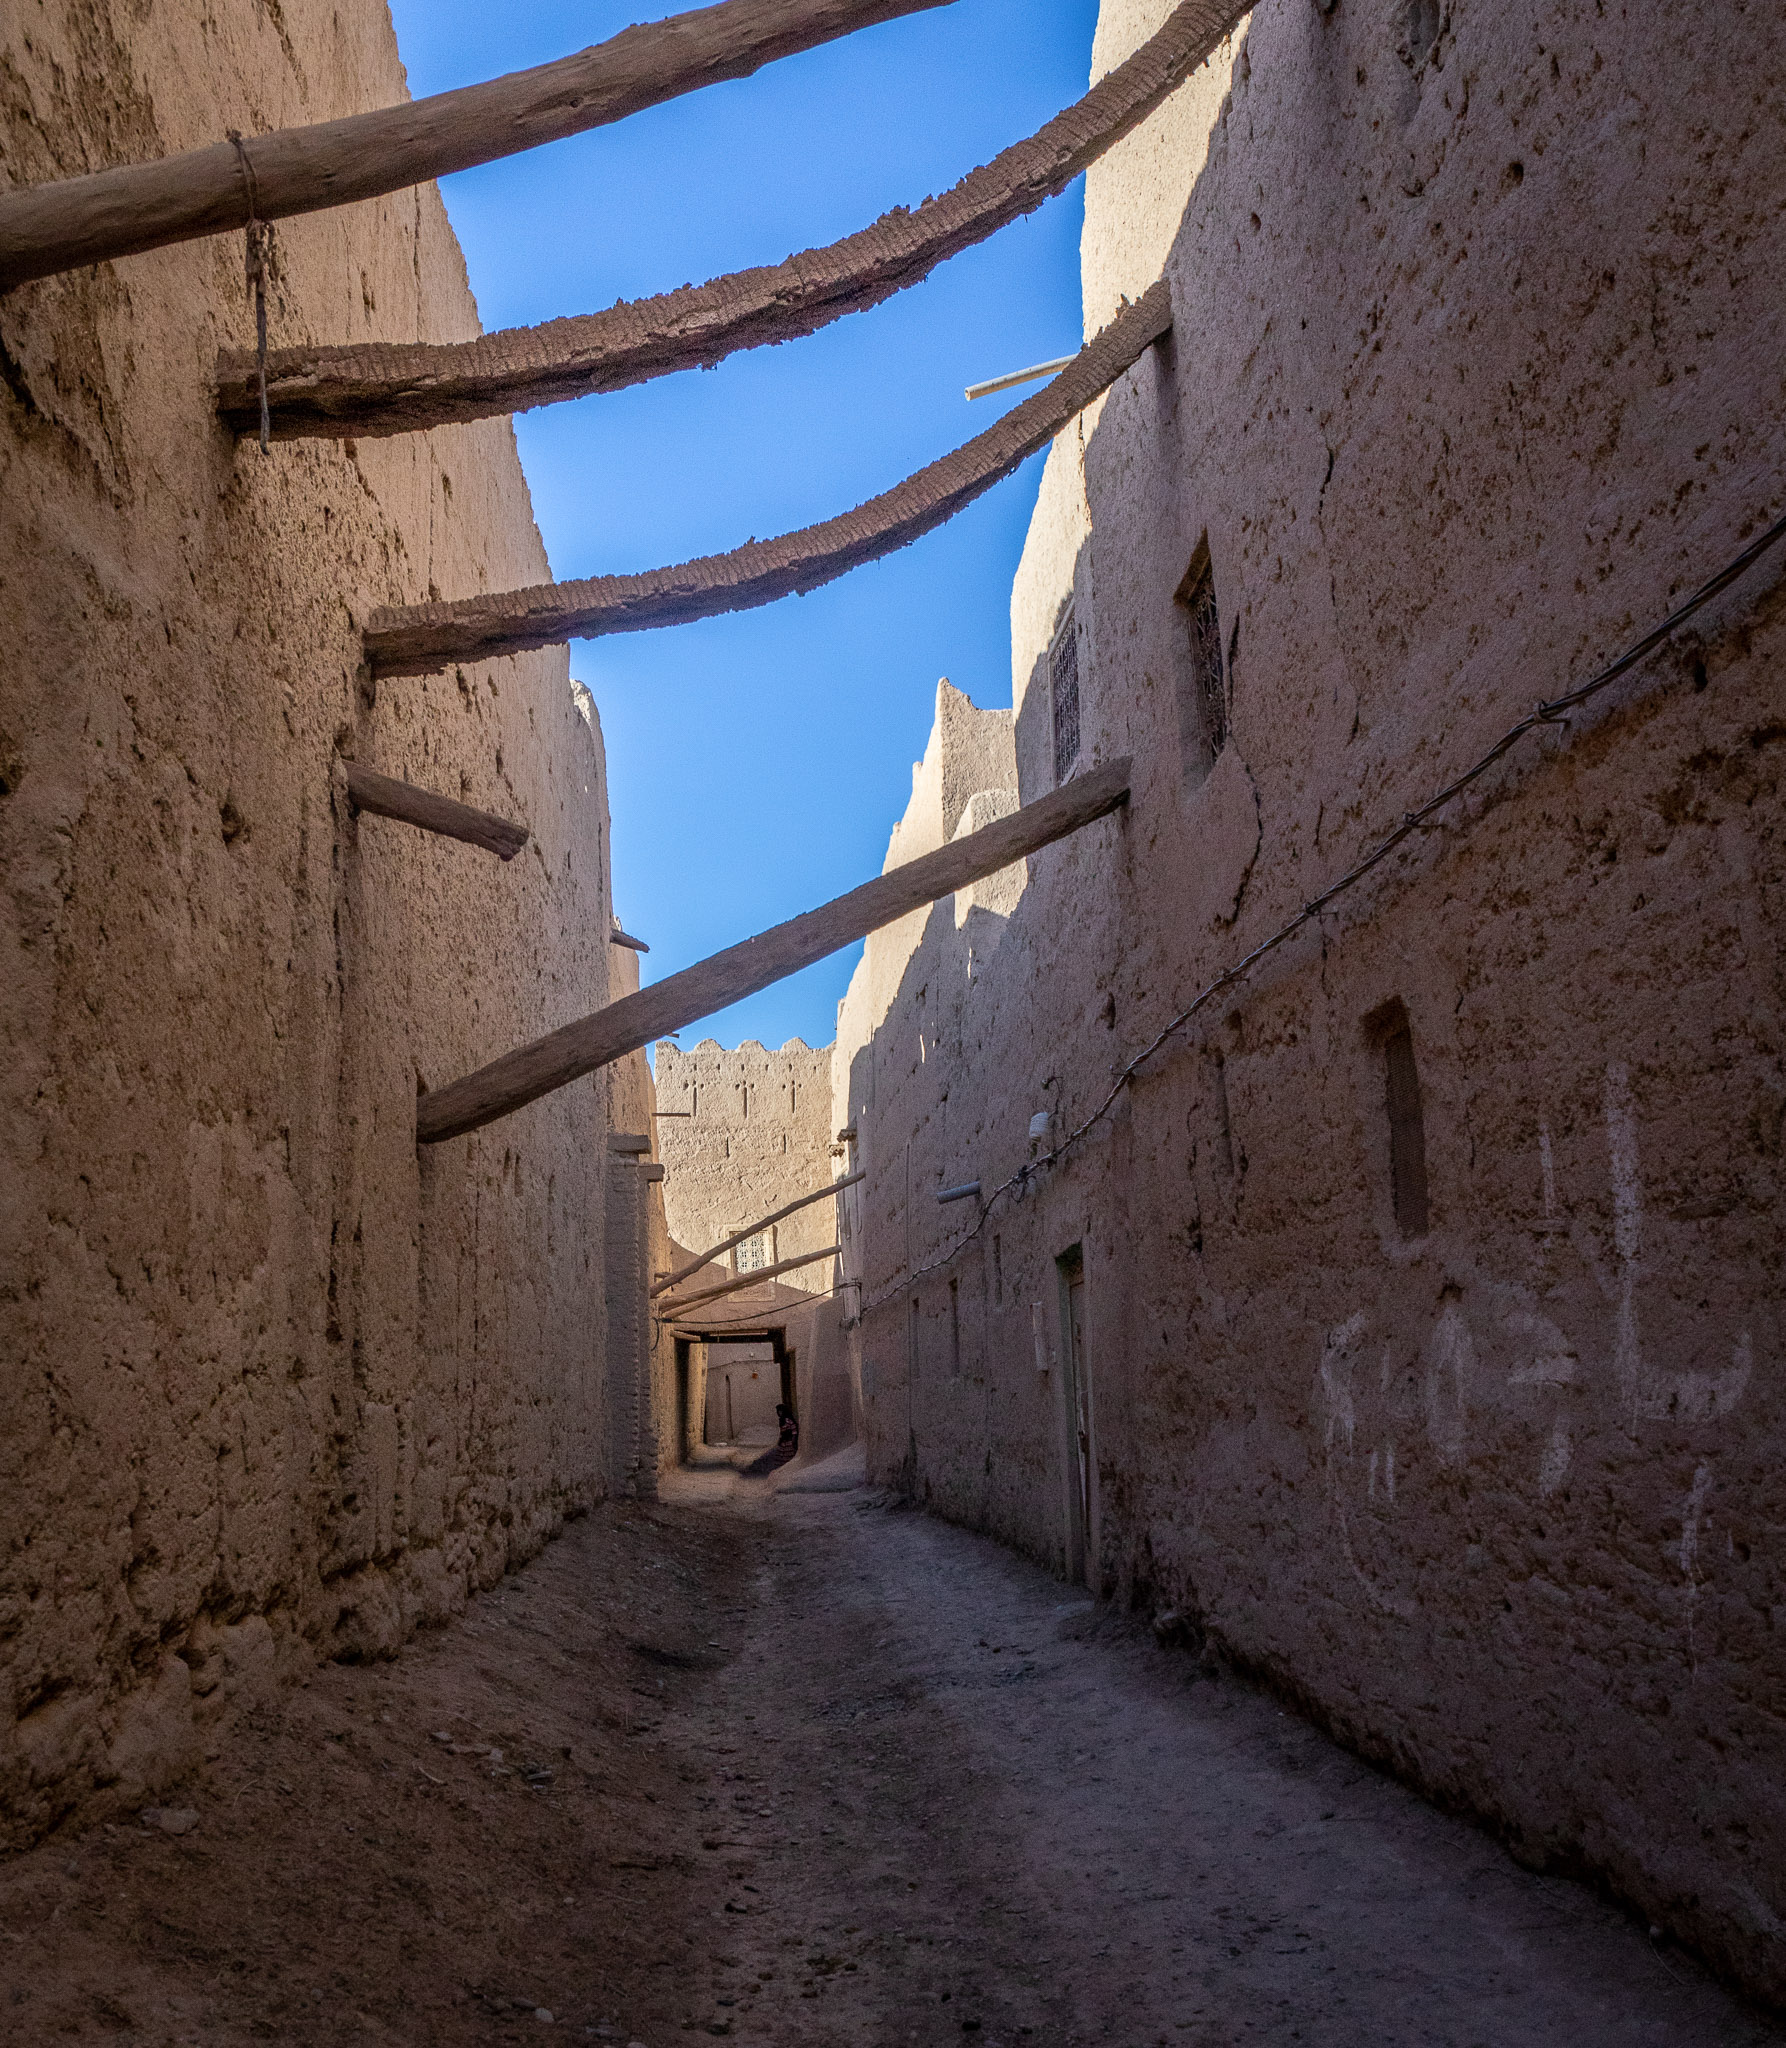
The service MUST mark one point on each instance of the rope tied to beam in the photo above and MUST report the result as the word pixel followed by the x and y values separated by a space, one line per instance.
pixel 384 387
pixel 259 247
pixel 95 218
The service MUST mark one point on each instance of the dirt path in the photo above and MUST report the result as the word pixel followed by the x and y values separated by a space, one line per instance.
pixel 821 1776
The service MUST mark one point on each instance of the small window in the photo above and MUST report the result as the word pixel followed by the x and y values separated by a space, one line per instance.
pixel 1063 690
pixel 1204 707
pixel 955 1327
pixel 1407 1124
pixel 753 1254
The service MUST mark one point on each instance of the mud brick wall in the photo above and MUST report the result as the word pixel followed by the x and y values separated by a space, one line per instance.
pixel 742 1131
pixel 1474 375
pixel 274 1385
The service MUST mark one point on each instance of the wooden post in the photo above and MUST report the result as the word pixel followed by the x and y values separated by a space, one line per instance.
pixel 387 387
pixel 669 1280
pixel 744 1280
pixel 387 798
pixel 533 1070
pixel 76 221
pixel 420 639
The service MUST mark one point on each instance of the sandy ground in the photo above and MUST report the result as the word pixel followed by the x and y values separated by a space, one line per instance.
pixel 805 1770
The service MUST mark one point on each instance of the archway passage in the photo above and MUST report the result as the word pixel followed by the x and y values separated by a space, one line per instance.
pixel 743 1395
pixel 738 1392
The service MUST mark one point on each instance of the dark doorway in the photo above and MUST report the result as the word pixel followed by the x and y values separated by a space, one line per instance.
pixel 743 1385
pixel 1076 1394
pixel 684 1366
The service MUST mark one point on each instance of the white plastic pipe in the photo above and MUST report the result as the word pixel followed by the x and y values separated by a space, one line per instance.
pixel 1030 376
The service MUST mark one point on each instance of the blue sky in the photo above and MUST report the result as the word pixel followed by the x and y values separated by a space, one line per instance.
pixel 757 763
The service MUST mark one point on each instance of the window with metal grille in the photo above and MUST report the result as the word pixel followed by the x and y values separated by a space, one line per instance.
pixel 1206 674
pixel 1063 687
pixel 753 1254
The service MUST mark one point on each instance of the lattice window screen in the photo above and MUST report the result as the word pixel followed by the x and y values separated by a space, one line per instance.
pixel 1063 680
pixel 753 1254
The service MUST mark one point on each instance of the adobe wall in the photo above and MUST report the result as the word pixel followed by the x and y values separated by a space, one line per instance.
pixel 827 1396
pixel 276 1385
pixel 741 1133
pixel 643 1404
pixel 1473 376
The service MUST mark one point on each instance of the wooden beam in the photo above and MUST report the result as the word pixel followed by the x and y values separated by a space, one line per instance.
pixel 123 211
pixel 387 798
pixel 670 1280
pixel 379 387
pixel 425 638
pixel 744 1280
pixel 522 1076
pixel 619 938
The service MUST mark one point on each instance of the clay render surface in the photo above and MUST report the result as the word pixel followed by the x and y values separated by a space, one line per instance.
pixel 1390 1381
pixel 1473 375
pixel 743 1131
pixel 802 1772
pixel 274 1388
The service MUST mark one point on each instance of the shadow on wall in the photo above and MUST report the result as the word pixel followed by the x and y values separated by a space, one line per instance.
pixel 825 1398
pixel 900 1082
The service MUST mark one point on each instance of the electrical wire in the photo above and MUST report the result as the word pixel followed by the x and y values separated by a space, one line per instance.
pixel 1550 712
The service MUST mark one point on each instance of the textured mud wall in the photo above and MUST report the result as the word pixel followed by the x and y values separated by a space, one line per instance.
pixel 826 1397
pixel 1475 373
pixel 742 1133
pixel 642 1401
pixel 274 1385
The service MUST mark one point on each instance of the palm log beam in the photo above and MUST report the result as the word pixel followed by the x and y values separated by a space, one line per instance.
pixel 610 1034
pixel 388 798
pixel 675 1308
pixel 737 1237
pixel 121 212
pixel 396 388
pixel 425 638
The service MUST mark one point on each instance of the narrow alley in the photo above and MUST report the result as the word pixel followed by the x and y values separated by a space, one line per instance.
pixel 1036 1303
pixel 807 1768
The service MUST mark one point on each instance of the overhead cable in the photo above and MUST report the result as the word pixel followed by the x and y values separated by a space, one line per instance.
pixel 1553 711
